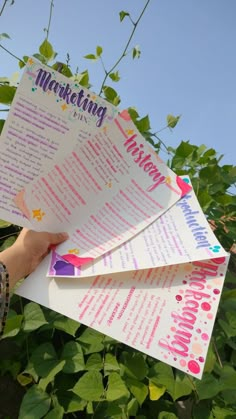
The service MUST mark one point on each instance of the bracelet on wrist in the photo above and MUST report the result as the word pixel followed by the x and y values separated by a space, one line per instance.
pixel 4 296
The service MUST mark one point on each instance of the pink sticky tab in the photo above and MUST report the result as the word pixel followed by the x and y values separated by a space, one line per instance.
pixel 125 115
pixel 184 186
pixel 76 260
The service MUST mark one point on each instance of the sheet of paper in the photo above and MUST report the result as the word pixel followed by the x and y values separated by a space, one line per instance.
pixel 182 234
pixel 50 114
pixel 103 193
pixel 167 312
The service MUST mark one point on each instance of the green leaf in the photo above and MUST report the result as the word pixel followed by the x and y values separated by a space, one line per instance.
pixel 4 224
pixel 13 325
pixel 210 174
pixel 63 69
pixel 205 200
pixel 138 389
pixel 230 316
pixel 22 63
pixel 74 359
pixel 29 369
pixel 35 404
pixel 33 317
pixel 110 364
pixel 133 407
pixel 208 387
pixel 46 50
pixel 222 413
pixel 70 401
pixel 182 386
pixel 94 362
pixel 185 149
pixel 172 120
pixel 162 375
pixel 116 387
pixel 156 391
pixel 4 36
pixel 143 124
pixel 91 341
pixel 44 359
pixel 83 79
pixel 40 57
pixel 114 76
pixel 56 413
pixel 43 383
pixel 8 242
pixel 133 114
pixel 228 295
pixel 65 324
pixel 90 57
pixel 106 410
pixel 90 386
pixel 10 366
pixel 23 379
pixel 136 52
pixel 135 365
pixel 167 415
pixel 89 408
pixel 229 331
pixel 2 122
pixel 7 94
pixel 228 378
pixel 111 95
pixel 202 411
pixel 99 51
pixel 123 14
pixel 210 360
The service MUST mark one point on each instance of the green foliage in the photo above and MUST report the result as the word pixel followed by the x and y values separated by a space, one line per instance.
pixel 35 404
pixel 46 50
pixel 123 14
pixel 4 36
pixel 136 52
pixel 172 120
pixel 67 369
pixel 7 94
pixel 111 95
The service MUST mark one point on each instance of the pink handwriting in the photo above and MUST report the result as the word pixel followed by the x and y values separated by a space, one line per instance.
pixel 180 341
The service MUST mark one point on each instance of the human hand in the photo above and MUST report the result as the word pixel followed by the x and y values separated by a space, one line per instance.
pixel 28 251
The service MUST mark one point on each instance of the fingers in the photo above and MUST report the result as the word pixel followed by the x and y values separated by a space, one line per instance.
pixel 57 238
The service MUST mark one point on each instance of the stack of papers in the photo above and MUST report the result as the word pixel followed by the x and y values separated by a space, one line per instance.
pixel 141 264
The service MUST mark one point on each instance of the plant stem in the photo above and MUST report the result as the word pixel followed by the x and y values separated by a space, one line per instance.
pixel 162 129
pixel 10 53
pixel 16 233
pixel 217 353
pixel 3 7
pixel 135 24
pixel 154 135
pixel 50 18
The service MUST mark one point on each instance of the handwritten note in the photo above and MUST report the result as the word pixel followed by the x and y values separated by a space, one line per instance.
pixel 180 235
pixel 103 193
pixel 42 127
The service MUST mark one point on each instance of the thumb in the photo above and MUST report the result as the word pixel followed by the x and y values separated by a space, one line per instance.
pixel 57 238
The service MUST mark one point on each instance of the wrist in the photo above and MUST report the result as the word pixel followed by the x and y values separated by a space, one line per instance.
pixel 16 263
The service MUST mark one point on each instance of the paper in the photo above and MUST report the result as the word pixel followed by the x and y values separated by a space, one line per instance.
pixel 42 127
pixel 103 193
pixel 167 313
pixel 180 235
pixel 156 282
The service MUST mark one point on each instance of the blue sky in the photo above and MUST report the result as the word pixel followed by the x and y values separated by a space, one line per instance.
pixel 187 64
